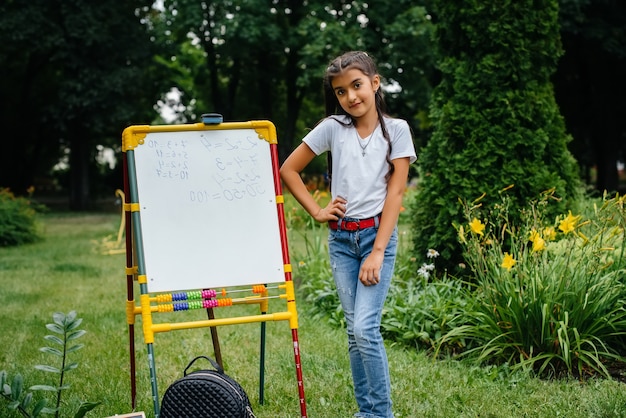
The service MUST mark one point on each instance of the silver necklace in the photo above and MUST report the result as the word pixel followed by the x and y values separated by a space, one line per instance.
pixel 358 137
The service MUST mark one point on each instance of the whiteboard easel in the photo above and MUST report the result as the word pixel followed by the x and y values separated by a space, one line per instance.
pixel 205 209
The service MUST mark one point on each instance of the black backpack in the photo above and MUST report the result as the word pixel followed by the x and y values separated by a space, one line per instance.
pixel 205 394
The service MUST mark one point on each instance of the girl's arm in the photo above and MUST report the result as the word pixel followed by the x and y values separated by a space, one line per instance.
pixel 396 186
pixel 290 174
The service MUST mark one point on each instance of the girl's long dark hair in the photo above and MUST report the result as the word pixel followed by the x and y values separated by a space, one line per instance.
pixel 363 62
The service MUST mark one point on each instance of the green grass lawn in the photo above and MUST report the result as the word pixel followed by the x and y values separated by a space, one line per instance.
pixel 67 271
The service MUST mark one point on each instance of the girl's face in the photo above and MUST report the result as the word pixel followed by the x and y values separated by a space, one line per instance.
pixel 356 93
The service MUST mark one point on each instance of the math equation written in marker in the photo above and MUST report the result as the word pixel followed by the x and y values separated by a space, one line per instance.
pixel 227 167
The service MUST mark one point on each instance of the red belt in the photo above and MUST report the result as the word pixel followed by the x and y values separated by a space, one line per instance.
pixel 354 225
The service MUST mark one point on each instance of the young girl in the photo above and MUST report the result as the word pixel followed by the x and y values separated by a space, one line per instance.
pixel 368 171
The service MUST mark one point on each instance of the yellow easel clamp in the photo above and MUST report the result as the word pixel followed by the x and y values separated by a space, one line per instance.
pixel 130 312
pixel 266 130
pixel 289 290
pixel 280 199
pixel 131 207
pixel 133 136
pixel 130 271
pixel 291 304
pixel 146 318
pixel 142 279
pixel 287 268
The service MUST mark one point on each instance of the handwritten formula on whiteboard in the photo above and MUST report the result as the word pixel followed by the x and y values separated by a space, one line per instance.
pixel 208 209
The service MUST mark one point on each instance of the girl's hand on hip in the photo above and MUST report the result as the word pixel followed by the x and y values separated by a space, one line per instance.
pixel 333 211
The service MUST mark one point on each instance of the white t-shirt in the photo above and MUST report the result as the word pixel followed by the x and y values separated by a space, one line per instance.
pixel 358 178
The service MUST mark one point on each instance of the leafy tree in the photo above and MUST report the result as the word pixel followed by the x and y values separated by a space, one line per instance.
pixel 400 35
pixel 252 60
pixel 236 59
pixel 495 119
pixel 76 73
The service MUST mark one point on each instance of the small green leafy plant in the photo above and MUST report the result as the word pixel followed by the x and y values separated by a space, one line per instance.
pixel 23 401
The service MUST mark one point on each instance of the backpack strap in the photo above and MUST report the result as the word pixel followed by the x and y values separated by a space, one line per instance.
pixel 213 363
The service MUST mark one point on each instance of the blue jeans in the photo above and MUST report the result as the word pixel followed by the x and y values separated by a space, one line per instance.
pixel 362 307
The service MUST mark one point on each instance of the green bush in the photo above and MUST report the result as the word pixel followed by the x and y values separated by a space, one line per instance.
pixel 419 311
pixel 18 220
pixel 550 294
pixel 495 119
pixel 547 292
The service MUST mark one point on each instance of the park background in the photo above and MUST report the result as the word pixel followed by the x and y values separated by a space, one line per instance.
pixel 75 74
pixel 513 105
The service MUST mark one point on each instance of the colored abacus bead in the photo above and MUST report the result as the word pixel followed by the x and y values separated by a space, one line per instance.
pixel 165 308
pixel 166 297
pixel 209 303
pixel 183 306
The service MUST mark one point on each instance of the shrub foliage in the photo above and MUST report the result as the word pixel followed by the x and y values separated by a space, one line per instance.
pixel 18 220
pixel 495 119
pixel 546 294
pixel 549 294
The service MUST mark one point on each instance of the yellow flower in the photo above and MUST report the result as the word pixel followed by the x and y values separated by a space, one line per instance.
pixel 568 224
pixel 549 233
pixel 539 243
pixel 477 226
pixel 508 261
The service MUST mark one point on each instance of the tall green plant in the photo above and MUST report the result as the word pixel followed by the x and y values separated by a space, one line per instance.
pixel 550 293
pixel 22 401
pixel 494 115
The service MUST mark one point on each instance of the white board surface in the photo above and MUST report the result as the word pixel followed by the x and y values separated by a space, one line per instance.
pixel 208 210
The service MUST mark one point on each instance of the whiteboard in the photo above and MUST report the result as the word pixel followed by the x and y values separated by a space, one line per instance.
pixel 208 212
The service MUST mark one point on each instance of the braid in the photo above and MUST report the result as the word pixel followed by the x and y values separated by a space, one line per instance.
pixel 381 107
pixel 383 128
